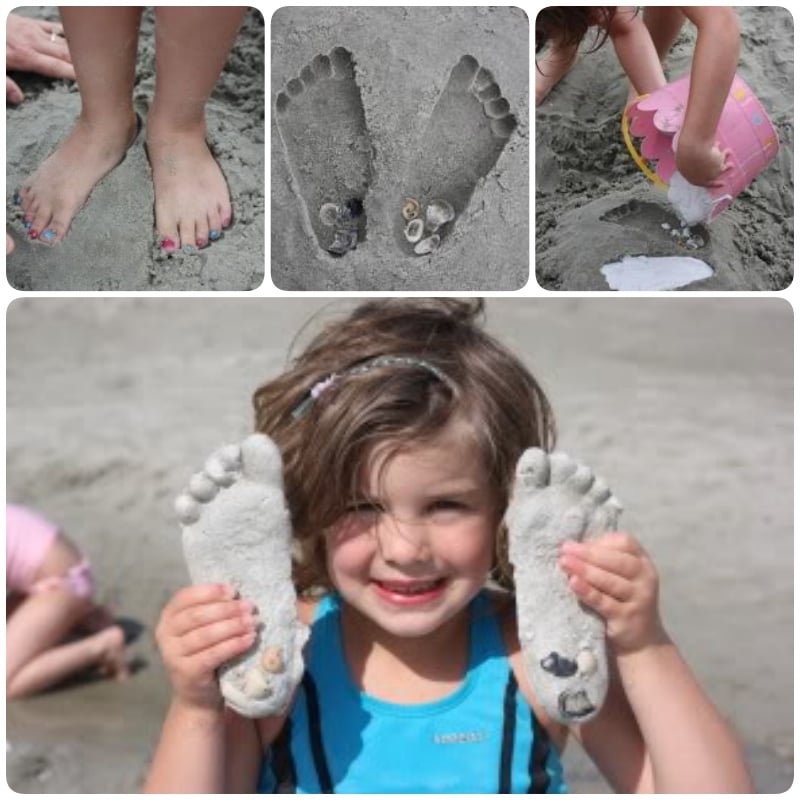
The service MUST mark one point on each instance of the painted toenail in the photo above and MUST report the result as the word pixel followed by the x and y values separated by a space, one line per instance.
pixel 168 244
pixel 16 199
pixel 201 242
pixel 33 234
pixel 26 224
pixel 187 248
pixel 214 235
pixel 226 222
pixel 49 235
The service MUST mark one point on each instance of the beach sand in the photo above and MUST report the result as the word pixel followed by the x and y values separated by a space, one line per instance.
pixel 593 205
pixel 684 406
pixel 112 242
pixel 380 134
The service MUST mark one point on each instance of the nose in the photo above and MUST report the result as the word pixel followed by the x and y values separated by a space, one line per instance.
pixel 402 542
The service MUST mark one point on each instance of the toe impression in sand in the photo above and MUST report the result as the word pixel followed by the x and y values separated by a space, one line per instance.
pixel 236 530
pixel 563 643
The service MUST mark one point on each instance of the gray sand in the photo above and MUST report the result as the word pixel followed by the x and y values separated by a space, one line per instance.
pixel 593 205
pixel 684 406
pixel 403 59
pixel 111 245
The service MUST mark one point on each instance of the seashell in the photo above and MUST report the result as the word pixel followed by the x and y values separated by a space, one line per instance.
pixel 587 663
pixel 411 209
pixel 438 213
pixel 272 659
pixel 343 241
pixel 256 684
pixel 328 213
pixel 427 245
pixel 414 230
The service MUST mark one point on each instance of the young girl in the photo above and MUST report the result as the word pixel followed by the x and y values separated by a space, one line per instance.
pixel 400 429
pixel 49 588
pixel 192 204
pixel 641 45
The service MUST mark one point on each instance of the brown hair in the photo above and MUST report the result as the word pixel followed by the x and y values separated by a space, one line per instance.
pixel 567 25
pixel 325 449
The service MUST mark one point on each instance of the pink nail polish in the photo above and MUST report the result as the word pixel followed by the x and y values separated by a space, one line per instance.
pixel 201 242
pixel 226 221
pixel 34 234
pixel 168 244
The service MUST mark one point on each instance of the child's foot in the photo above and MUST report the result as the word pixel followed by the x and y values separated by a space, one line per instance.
pixel 563 642
pixel 236 530
pixel 55 193
pixel 112 664
pixel 192 204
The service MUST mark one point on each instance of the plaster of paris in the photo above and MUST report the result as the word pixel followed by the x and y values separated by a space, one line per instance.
pixel 692 203
pixel 237 531
pixel 654 273
pixel 563 642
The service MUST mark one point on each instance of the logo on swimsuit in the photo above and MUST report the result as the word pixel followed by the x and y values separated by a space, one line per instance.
pixel 463 737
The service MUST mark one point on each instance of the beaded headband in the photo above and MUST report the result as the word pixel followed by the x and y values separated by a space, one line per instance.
pixel 302 408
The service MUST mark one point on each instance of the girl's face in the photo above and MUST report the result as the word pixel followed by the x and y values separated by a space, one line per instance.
pixel 417 545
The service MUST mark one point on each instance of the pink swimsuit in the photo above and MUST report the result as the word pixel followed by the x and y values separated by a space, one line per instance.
pixel 28 538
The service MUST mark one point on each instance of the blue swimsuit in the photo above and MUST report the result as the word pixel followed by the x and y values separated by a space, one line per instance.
pixel 482 738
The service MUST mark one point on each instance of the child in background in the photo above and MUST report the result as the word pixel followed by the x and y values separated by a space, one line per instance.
pixel 400 428
pixel 641 45
pixel 49 587
pixel 192 203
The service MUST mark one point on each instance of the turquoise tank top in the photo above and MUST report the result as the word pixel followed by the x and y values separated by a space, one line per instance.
pixel 482 738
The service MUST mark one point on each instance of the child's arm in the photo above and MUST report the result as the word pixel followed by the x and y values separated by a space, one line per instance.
pixel 200 629
pixel 658 731
pixel 552 67
pixel 716 55
pixel 635 50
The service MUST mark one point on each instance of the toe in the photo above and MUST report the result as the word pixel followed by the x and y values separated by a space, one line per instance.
pixel 261 460
pixel 599 493
pixel 581 480
pixel 186 236
pixel 55 231
pixel 187 509
pixel 201 231
pixel 533 468
pixel 562 467
pixel 221 467
pixel 202 488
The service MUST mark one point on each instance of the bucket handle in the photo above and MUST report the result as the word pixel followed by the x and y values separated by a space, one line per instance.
pixel 637 157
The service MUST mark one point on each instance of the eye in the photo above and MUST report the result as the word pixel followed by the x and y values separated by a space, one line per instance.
pixel 445 505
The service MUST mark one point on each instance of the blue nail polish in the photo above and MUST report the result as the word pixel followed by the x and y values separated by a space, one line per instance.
pixel 49 235
pixel 187 248
pixel 26 224
pixel 16 199
pixel 214 235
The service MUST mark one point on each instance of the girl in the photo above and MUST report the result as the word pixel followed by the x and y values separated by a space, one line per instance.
pixel 400 429
pixel 49 587
pixel 641 45
pixel 192 204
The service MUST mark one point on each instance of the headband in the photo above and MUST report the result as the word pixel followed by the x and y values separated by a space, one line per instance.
pixel 302 408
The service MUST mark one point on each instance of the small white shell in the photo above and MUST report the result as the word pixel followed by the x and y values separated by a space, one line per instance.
pixel 328 213
pixel 414 230
pixel 427 245
pixel 256 684
pixel 272 660
pixel 587 663
pixel 437 213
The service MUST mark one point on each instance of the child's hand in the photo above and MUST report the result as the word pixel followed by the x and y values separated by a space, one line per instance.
pixel 200 629
pixel 701 164
pixel 614 576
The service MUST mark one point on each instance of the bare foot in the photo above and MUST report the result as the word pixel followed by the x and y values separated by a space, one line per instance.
pixel 55 193
pixel 192 200
pixel 112 662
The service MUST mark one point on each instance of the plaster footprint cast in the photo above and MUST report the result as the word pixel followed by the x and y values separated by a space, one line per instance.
pixel 323 130
pixel 470 125
pixel 563 642
pixel 236 530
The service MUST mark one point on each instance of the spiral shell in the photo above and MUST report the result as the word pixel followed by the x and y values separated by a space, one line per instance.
pixel 411 209
pixel 272 659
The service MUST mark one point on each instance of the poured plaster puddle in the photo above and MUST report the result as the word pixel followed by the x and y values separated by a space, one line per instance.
pixel 653 274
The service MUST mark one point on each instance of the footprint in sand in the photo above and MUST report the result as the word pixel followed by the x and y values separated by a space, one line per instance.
pixel 324 134
pixel 563 643
pixel 651 218
pixel 470 125
pixel 237 531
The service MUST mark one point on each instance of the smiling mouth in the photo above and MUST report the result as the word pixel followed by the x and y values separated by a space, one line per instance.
pixel 410 588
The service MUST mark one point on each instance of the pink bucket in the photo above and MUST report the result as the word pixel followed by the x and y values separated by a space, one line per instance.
pixel 744 128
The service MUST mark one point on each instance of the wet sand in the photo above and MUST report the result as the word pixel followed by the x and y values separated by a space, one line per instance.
pixel 594 206
pixel 403 61
pixel 684 406
pixel 112 243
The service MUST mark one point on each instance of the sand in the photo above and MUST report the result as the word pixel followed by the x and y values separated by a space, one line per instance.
pixel 403 59
pixel 111 245
pixel 684 406
pixel 594 206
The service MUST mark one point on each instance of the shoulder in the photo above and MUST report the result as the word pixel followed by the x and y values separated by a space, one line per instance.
pixel 505 608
